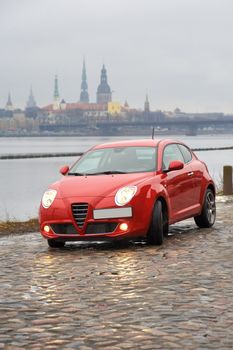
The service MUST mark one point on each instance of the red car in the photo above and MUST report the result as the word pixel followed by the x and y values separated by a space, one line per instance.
pixel 128 189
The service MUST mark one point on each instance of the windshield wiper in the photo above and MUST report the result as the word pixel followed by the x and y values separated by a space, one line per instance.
pixel 76 174
pixel 109 172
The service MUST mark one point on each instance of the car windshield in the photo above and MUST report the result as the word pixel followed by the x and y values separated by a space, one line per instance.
pixel 117 160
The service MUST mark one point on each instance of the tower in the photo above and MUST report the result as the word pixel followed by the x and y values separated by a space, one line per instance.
pixel 31 102
pixel 147 104
pixel 9 104
pixel 56 97
pixel 63 104
pixel 84 96
pixel 104 94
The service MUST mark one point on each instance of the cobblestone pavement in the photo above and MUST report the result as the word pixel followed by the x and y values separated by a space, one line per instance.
pixel 99 296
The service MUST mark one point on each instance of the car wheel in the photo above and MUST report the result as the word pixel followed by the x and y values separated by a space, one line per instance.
pixel 208 213
pixel 156 230
pixel 55 244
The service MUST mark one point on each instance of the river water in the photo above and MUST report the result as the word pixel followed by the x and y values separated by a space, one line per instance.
pixel 23 181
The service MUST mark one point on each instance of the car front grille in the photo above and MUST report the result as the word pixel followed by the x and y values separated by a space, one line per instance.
pixel 64 229
pixel 101 227
pixel 79 211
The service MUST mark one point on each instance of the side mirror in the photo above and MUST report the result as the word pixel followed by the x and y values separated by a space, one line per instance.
pixel 175 165
pixel 64 170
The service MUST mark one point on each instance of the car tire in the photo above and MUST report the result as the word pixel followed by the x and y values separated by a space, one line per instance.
pixel 208 213
pixel 165 223
pixel 156 230
pixel 55 244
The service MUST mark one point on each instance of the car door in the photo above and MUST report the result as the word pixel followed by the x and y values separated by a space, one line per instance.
pixel 178 183
pixel 197 172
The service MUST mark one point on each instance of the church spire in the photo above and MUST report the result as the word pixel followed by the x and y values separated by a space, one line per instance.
pixel 104 94
pixel 103 77
pixel 56 97
pixel 31 102
pixel 84 96
pixel 147 104
pixel 56 92
pixel 9 104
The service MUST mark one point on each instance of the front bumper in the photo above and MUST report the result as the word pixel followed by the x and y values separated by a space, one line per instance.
pixel 102 220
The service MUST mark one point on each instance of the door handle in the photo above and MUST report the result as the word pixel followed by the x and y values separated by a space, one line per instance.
pixel 190 173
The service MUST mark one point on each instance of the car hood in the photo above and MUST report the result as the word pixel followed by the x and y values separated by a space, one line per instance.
pixel 97 185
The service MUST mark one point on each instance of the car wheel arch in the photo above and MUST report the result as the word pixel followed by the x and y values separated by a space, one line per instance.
pixel 212 188
pixel 207 216
pixel 209 186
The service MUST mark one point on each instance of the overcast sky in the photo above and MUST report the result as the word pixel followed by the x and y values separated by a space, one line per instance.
pixel 181 51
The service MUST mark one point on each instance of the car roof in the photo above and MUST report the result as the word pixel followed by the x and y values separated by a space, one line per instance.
pixel 129 143
pixel 139 143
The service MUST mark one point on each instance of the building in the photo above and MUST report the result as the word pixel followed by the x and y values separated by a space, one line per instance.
pixel 114 108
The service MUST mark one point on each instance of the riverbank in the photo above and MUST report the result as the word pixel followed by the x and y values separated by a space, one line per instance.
pixel 18 227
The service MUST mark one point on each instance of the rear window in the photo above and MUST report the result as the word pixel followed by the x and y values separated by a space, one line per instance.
pixel 186 153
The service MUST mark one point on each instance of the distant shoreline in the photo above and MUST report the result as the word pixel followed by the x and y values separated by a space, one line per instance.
pixel 146 133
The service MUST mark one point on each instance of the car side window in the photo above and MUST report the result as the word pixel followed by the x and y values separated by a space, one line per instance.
pixel 186 153
pixel 170 153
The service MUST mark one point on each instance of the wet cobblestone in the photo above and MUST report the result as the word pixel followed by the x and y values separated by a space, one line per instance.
pixel 100 296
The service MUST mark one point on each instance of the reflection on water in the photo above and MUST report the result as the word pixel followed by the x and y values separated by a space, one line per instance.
pixel 51 283
pixel 22 182
pixel 56 273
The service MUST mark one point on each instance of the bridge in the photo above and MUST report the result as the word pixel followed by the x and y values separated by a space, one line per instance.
pixel 190 126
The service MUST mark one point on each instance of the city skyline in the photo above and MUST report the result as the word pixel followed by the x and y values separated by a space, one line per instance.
pixel 176 50
pixel 103 92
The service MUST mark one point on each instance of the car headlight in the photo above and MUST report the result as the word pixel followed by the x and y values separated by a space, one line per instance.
pixel 48 198
pixel 125 194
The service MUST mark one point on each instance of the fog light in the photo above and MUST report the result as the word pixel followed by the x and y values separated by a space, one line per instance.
pixel 123 226
pixel 46 228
